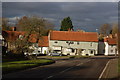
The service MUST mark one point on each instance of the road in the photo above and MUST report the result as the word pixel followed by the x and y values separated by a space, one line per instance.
pixel 71 69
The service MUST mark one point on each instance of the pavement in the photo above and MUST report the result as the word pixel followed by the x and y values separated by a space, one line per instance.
pixel 111 70
pixel 70 69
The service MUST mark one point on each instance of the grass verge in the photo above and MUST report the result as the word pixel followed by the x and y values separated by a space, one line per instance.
pixel 13 66
pixel 78 56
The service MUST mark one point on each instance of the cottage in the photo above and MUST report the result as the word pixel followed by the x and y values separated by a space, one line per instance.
pixel 10 37
pixel 110 46
pixel 43 45
pixel 74 43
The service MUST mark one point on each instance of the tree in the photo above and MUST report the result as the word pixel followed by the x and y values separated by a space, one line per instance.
pixel 5 25
pixel 32 25
pixel 118 41
pixel 114 29
pixel 105 29
pixel 66 24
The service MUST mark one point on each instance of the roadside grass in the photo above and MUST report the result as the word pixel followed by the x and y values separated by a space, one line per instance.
pixel 60 57
pixel 22 65
pixel 78 56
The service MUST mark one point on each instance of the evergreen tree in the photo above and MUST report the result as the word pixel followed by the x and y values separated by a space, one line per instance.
pixel 66 24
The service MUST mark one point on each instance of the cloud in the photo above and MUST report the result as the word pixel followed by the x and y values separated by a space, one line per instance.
pixel 50 19
pixel 87 19
pixel 84 15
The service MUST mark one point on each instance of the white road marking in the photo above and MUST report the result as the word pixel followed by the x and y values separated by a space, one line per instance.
pixel 68 68
pixel 79 64
pixel 50 77
pixel 104 70
pixel 88 60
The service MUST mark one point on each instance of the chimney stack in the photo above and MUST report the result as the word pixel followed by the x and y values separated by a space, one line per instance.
pixel 13 28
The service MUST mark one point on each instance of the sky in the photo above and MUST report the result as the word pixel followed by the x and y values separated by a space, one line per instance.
pixel 88 16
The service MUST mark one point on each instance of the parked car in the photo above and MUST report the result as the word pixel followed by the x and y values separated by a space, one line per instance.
pixel 35 52
pixel 55 53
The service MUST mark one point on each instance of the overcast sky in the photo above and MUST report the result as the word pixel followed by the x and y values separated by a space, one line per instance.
pixel 88 16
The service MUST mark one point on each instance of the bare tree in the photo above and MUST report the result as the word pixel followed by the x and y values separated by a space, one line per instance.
pixel 5 25
pixel 32 25
pixel 115 29
pixel 105 29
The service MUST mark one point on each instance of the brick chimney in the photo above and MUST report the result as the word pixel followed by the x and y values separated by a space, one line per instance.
pixel 111 36
pixel 13 28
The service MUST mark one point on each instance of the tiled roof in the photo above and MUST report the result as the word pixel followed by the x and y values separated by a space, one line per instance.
pixel 74 36
pixel 110 41
pixel 33 38
pixel 43 42
pixel 12 35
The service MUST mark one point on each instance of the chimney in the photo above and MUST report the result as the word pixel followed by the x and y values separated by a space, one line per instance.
pixel 111 36
pixel 13 28
pixel 70 29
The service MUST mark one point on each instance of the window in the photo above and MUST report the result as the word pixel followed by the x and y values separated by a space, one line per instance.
pixel 111 45
pixel 91 44
pixel 55 42
pixel 39 51
pixel 71 42
pixel 111 51
pixel 66 41
pixel 77 43
pixel 73 50
pixel 82 49
pixel 91 51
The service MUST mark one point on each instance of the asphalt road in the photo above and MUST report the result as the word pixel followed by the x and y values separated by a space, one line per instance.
pixel 71 69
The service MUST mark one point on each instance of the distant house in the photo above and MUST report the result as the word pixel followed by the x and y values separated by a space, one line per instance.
pixel 110 46
pixel 10 37
pixel 43 45
pixel 39 47
pixel 74 43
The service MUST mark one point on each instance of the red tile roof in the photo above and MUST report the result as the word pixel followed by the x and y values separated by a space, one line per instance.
pixel 111 41
pixel 44 42
pixel 12 35
pixel 33 38
pixel 74 36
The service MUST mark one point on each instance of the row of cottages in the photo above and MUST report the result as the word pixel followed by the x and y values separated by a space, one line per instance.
pixel 74 43
pixel 10 37
pixel 66 42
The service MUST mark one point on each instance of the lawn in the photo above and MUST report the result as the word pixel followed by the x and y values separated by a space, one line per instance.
pixel 22 65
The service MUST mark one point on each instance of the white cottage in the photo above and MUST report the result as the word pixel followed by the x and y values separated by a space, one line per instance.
pixel 110 46
pixel 74 43
pixel 43 45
